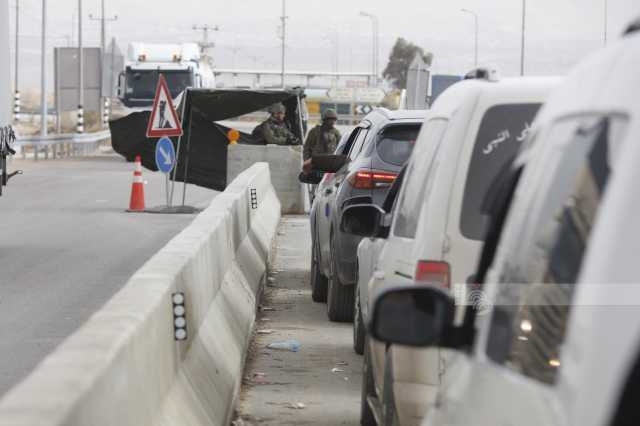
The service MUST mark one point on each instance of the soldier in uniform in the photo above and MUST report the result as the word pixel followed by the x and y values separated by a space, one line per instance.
pixel 324 138
pixel 275 130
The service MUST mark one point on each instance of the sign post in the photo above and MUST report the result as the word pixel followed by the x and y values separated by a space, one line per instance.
pixel 165 161
pixel 164 123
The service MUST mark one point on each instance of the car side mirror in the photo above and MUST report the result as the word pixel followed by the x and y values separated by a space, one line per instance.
pixel 329 163
pixel 363 220
pixel 413 316
pixel 312 178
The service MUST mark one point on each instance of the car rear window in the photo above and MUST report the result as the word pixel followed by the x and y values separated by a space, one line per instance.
pixel 502 131
pixel 396 143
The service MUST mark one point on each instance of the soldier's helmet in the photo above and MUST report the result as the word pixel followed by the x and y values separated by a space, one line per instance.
pixel 329 114
pixel 276 108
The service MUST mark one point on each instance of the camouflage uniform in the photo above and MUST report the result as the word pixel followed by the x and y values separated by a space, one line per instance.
pixel 274 132
pixel 322 139
pixel 278 133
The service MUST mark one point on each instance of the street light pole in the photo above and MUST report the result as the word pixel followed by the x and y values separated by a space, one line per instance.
pixel 284 39
pixel 334 42
pixel 475 16
pixel 606 20
pixel 80 122
pixel 524 20
pixel 16 99
pixel 43 75
pixel 377 48
pixel 376 36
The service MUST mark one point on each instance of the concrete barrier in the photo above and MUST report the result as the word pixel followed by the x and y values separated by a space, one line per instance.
pixel 285 163
pixel 123 367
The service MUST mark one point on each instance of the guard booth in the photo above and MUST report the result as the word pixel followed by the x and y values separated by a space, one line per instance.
pixel 204 155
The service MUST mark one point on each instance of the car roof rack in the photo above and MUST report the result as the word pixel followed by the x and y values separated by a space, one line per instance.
pixel 483 73
pixel 634 27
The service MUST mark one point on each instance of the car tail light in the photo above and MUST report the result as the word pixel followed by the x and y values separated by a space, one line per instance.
pixel 367 179
pixel 433 273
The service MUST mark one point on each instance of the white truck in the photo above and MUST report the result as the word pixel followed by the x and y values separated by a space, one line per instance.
pixel 182 65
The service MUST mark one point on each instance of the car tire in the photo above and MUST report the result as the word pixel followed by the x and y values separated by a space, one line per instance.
pixel 367 417
pixel 339 297
pixel 318 281
pixel 358 325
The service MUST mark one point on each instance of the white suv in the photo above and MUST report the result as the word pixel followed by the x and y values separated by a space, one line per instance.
pixel 558 339
pixel 473 131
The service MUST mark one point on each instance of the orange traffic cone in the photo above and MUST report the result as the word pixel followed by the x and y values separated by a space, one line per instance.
pixel 136 204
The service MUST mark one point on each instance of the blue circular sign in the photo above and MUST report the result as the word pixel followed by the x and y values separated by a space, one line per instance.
pixel 165 155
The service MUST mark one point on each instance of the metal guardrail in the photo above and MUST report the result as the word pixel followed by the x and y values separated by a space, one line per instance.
pixel 67 144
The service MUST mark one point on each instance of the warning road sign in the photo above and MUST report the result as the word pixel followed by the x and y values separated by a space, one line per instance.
pixel 164 120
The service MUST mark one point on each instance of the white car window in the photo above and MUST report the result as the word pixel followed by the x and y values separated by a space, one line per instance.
pixel 418 172
pixel 529 319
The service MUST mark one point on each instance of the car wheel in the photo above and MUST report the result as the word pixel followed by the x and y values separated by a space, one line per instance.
pixel 318 281
pixel 358 325
pixel 368 389
pixel 339 297
pixel 390 416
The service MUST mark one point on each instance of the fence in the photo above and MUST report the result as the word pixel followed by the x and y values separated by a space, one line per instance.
pixel 61 145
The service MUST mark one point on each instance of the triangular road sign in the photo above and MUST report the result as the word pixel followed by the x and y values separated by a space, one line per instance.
pixel 163 121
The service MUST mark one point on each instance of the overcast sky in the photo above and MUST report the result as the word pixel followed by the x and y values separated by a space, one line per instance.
pixel 559 32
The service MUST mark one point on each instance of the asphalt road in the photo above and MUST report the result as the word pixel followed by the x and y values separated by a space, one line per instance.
pixel 67 245
pixel 319 384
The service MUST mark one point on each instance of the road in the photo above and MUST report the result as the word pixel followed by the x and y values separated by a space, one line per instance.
pixel 67 245
pixel 319 384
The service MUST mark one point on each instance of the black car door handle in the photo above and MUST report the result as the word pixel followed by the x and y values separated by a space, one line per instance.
pixel 328 191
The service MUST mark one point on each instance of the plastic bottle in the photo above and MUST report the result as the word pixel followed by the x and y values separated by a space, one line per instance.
pixel 285 345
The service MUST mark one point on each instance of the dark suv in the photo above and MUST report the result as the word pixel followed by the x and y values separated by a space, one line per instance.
pixel 377 149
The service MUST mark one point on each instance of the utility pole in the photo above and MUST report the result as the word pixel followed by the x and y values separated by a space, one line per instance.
pixel 16 99
pixel 43 75
pixel 103 53
pixel 284 40
pixel 205 44
pixel 103 30
pixel 80 122
pixel 524 20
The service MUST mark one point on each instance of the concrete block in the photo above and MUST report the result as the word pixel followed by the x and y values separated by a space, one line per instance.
pixel 124 367
pixel 285 163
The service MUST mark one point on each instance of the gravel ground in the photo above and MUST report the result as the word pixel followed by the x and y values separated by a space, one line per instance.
pixel 319 384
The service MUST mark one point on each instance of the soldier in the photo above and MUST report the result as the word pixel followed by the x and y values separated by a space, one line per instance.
pixel 275 130
pixel 324 138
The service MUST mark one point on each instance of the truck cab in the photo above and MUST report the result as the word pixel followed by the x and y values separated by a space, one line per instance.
pixel 181 64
